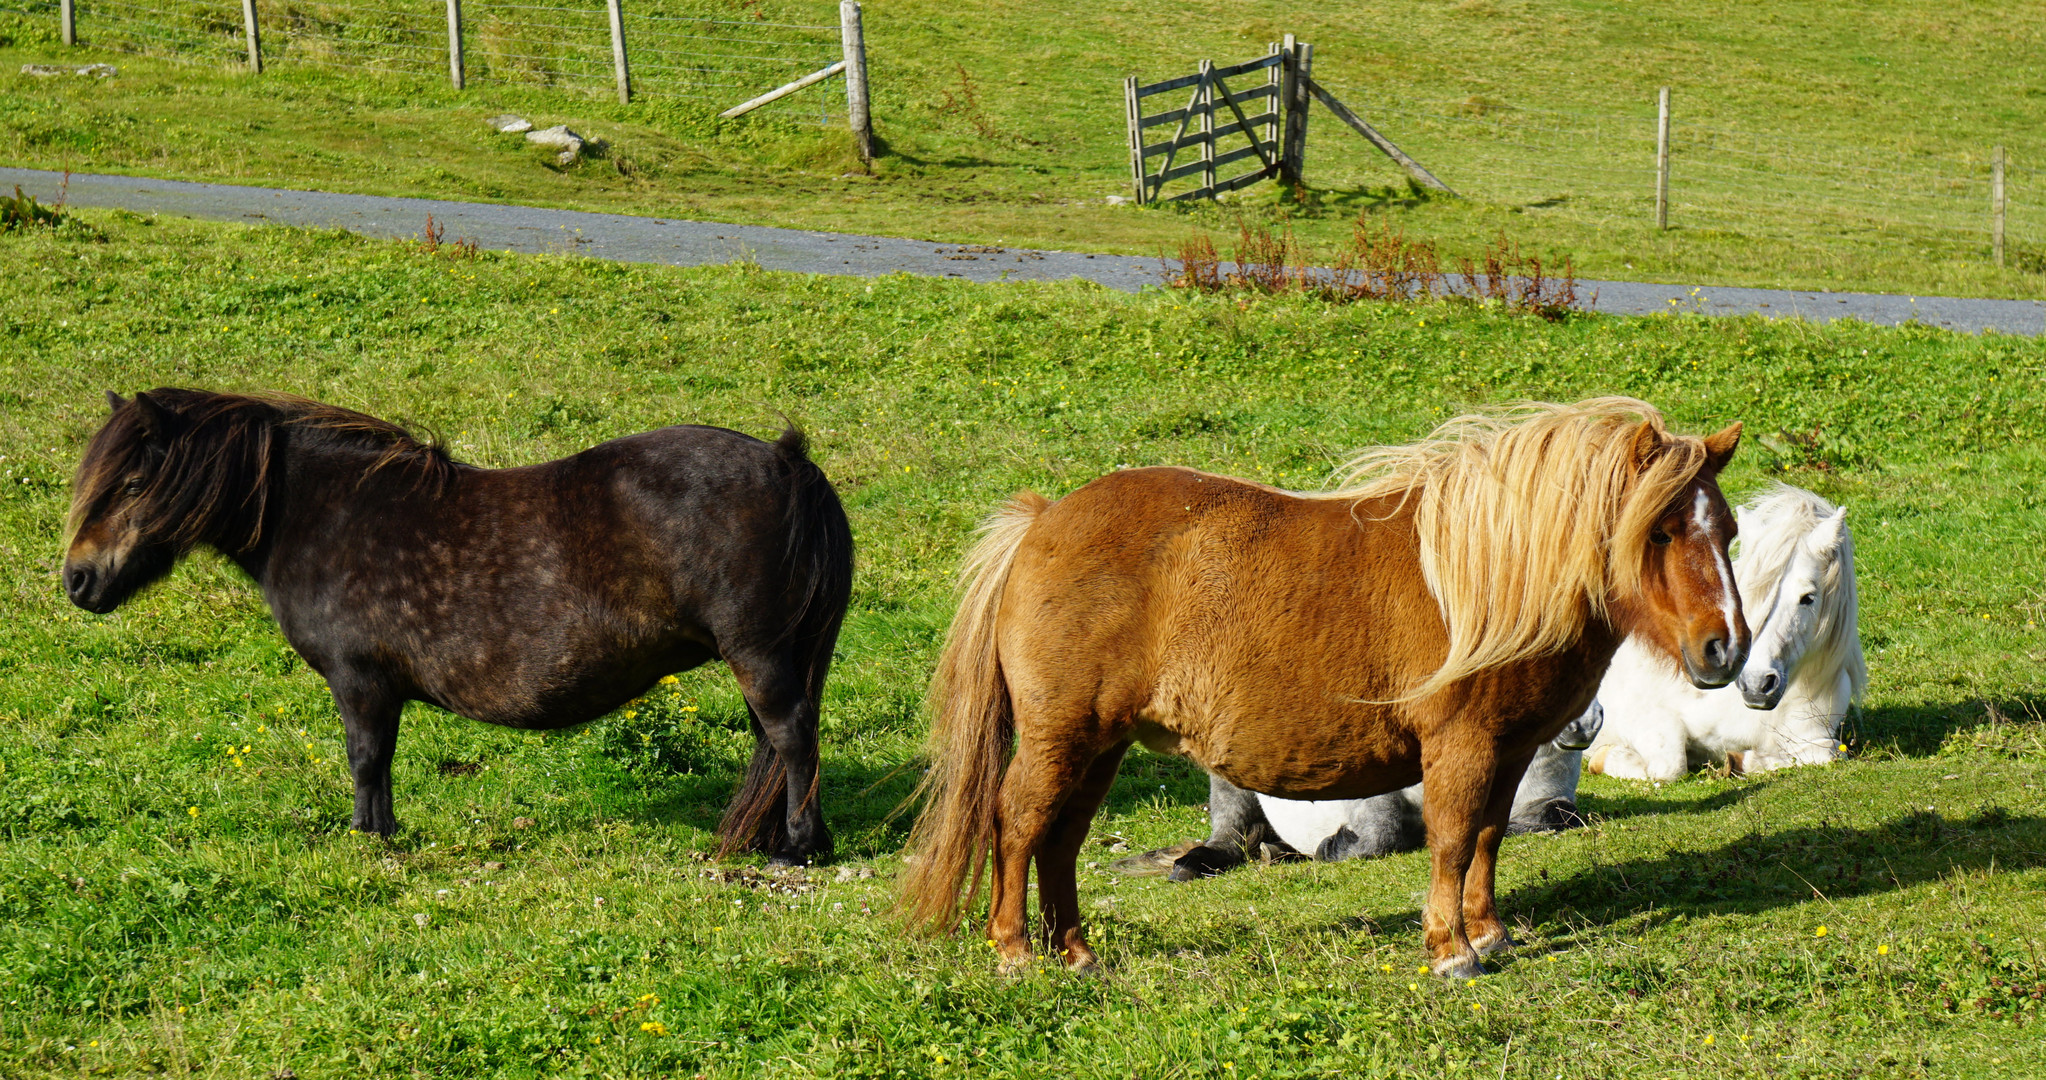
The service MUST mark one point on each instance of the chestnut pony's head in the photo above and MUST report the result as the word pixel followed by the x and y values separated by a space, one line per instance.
pixel 1688 607
pixel 1536 519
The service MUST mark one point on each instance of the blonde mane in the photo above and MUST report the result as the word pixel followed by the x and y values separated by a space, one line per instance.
pixel 1773 524
pixel 1532 519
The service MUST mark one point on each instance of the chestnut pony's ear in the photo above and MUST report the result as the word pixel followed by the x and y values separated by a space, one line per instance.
pixel 1647 444
pixel 153 420
pixel 1719 447
pixel 115 401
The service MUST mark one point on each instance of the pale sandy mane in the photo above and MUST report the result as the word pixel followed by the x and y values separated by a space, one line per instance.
pixel 1531 519
pixel 1773 524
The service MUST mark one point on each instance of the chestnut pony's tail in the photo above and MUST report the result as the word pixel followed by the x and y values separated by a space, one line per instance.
pixel 972 728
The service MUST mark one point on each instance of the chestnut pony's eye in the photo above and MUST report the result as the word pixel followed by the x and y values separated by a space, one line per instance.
pixel 1658 537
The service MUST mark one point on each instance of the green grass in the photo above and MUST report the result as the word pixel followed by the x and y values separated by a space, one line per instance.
pixel 179 890
pixel 1849 135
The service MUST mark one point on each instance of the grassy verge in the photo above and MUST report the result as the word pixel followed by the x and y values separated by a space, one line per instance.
pixel 1004 125
pixel 179 891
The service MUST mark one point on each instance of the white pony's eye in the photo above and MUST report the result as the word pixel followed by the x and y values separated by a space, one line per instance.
pixel 1808 599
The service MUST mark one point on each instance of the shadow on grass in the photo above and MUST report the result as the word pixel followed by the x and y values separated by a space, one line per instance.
pixel 1761 872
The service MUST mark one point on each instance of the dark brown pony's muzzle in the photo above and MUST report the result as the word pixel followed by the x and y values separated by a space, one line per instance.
pixel 86 587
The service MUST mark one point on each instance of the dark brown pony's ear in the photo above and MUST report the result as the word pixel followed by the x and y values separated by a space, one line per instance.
pixel 152 420
pixel 1647 444
pixel 1719 447
pixel 115 401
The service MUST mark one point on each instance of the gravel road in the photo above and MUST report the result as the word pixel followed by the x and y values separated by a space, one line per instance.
pixel 628 238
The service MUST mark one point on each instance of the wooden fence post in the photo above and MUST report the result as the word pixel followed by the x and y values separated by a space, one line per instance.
pixel 1996 205
pixel 1289 94
pixel 455 42
pixel 1275 77
pixel 1135 107
pixel 618 64
pixel 1662 160
pixel 853 35
pixel 68 15
pixel 1207 107
pixel 254 37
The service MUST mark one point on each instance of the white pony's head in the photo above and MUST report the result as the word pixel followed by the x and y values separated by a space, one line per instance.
pixel 1796 573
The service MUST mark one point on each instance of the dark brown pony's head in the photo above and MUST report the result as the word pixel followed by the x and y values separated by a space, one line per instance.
pixel 1688 607
pixel 172 468
pixel 168 469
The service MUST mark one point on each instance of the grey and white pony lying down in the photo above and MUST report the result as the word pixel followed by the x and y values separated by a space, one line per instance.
pixel 1242 824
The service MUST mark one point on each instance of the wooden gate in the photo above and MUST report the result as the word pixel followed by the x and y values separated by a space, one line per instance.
pixel 1276 136
pixel 1195 127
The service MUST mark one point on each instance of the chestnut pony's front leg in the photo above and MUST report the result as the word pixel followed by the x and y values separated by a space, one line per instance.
pixel 1481 922
pixel 1458 774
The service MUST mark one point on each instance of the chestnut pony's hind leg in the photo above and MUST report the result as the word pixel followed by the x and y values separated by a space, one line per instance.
pixel 1058 857
pixel 1041 778
pixel 1459 781
pixel 1481 920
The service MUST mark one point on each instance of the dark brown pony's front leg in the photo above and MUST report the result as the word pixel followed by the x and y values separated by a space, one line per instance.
pixel 370 717
pixel 1458 774
pixel 1058 858
pixel 1481 922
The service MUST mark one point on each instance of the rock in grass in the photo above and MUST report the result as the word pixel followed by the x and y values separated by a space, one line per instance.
pixel 44 69
pixel 509 124
pixel 99 71
pixel 557 137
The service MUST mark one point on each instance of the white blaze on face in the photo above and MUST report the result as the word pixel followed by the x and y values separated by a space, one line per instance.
pixel 1729 600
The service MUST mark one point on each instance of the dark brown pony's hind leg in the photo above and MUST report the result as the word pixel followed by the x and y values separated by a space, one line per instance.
pixel 1058 858
pixel 370 718
pixel 777 807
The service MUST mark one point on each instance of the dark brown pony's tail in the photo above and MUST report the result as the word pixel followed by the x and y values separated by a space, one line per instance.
pixel 972 728
pixel 819 554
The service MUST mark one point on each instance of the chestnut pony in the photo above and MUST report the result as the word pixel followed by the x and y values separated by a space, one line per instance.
pixel 535 597
pixel 1437 617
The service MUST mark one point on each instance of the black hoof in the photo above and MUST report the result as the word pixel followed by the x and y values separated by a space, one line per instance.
pixel 1203 862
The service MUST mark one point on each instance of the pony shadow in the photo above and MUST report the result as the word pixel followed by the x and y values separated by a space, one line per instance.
pixel 1920 730
pixel 1762 872
pixel 1609 806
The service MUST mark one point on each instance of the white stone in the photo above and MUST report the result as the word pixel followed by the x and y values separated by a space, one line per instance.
pixel 508 124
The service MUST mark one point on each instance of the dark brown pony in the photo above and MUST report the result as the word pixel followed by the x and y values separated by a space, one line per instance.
pixel 537 597
pixel 1439 617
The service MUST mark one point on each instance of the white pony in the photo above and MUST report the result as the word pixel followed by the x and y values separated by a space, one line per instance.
pixel 1796 576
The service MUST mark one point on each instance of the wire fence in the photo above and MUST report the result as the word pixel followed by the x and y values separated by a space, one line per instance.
pixel 1593 167
pixel 675 53
pixel 1600 168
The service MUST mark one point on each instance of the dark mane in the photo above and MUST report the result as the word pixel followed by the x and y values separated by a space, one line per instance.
pixel 208 457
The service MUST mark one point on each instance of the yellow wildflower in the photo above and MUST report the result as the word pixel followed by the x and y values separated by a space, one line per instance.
pixel 1882 950
pixel 1821 932
pixel 192 810
pixel 1708 1040
pixel 654 1028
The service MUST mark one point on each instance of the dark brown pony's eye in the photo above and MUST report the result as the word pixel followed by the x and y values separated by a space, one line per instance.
pixel 1658 537
pixel 134 487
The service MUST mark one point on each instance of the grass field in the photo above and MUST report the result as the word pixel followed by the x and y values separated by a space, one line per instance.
pixel 179 891
pixel 1812 150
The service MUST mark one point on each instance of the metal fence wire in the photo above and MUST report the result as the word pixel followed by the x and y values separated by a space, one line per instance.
pixel 675 52
pixel 1600 168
